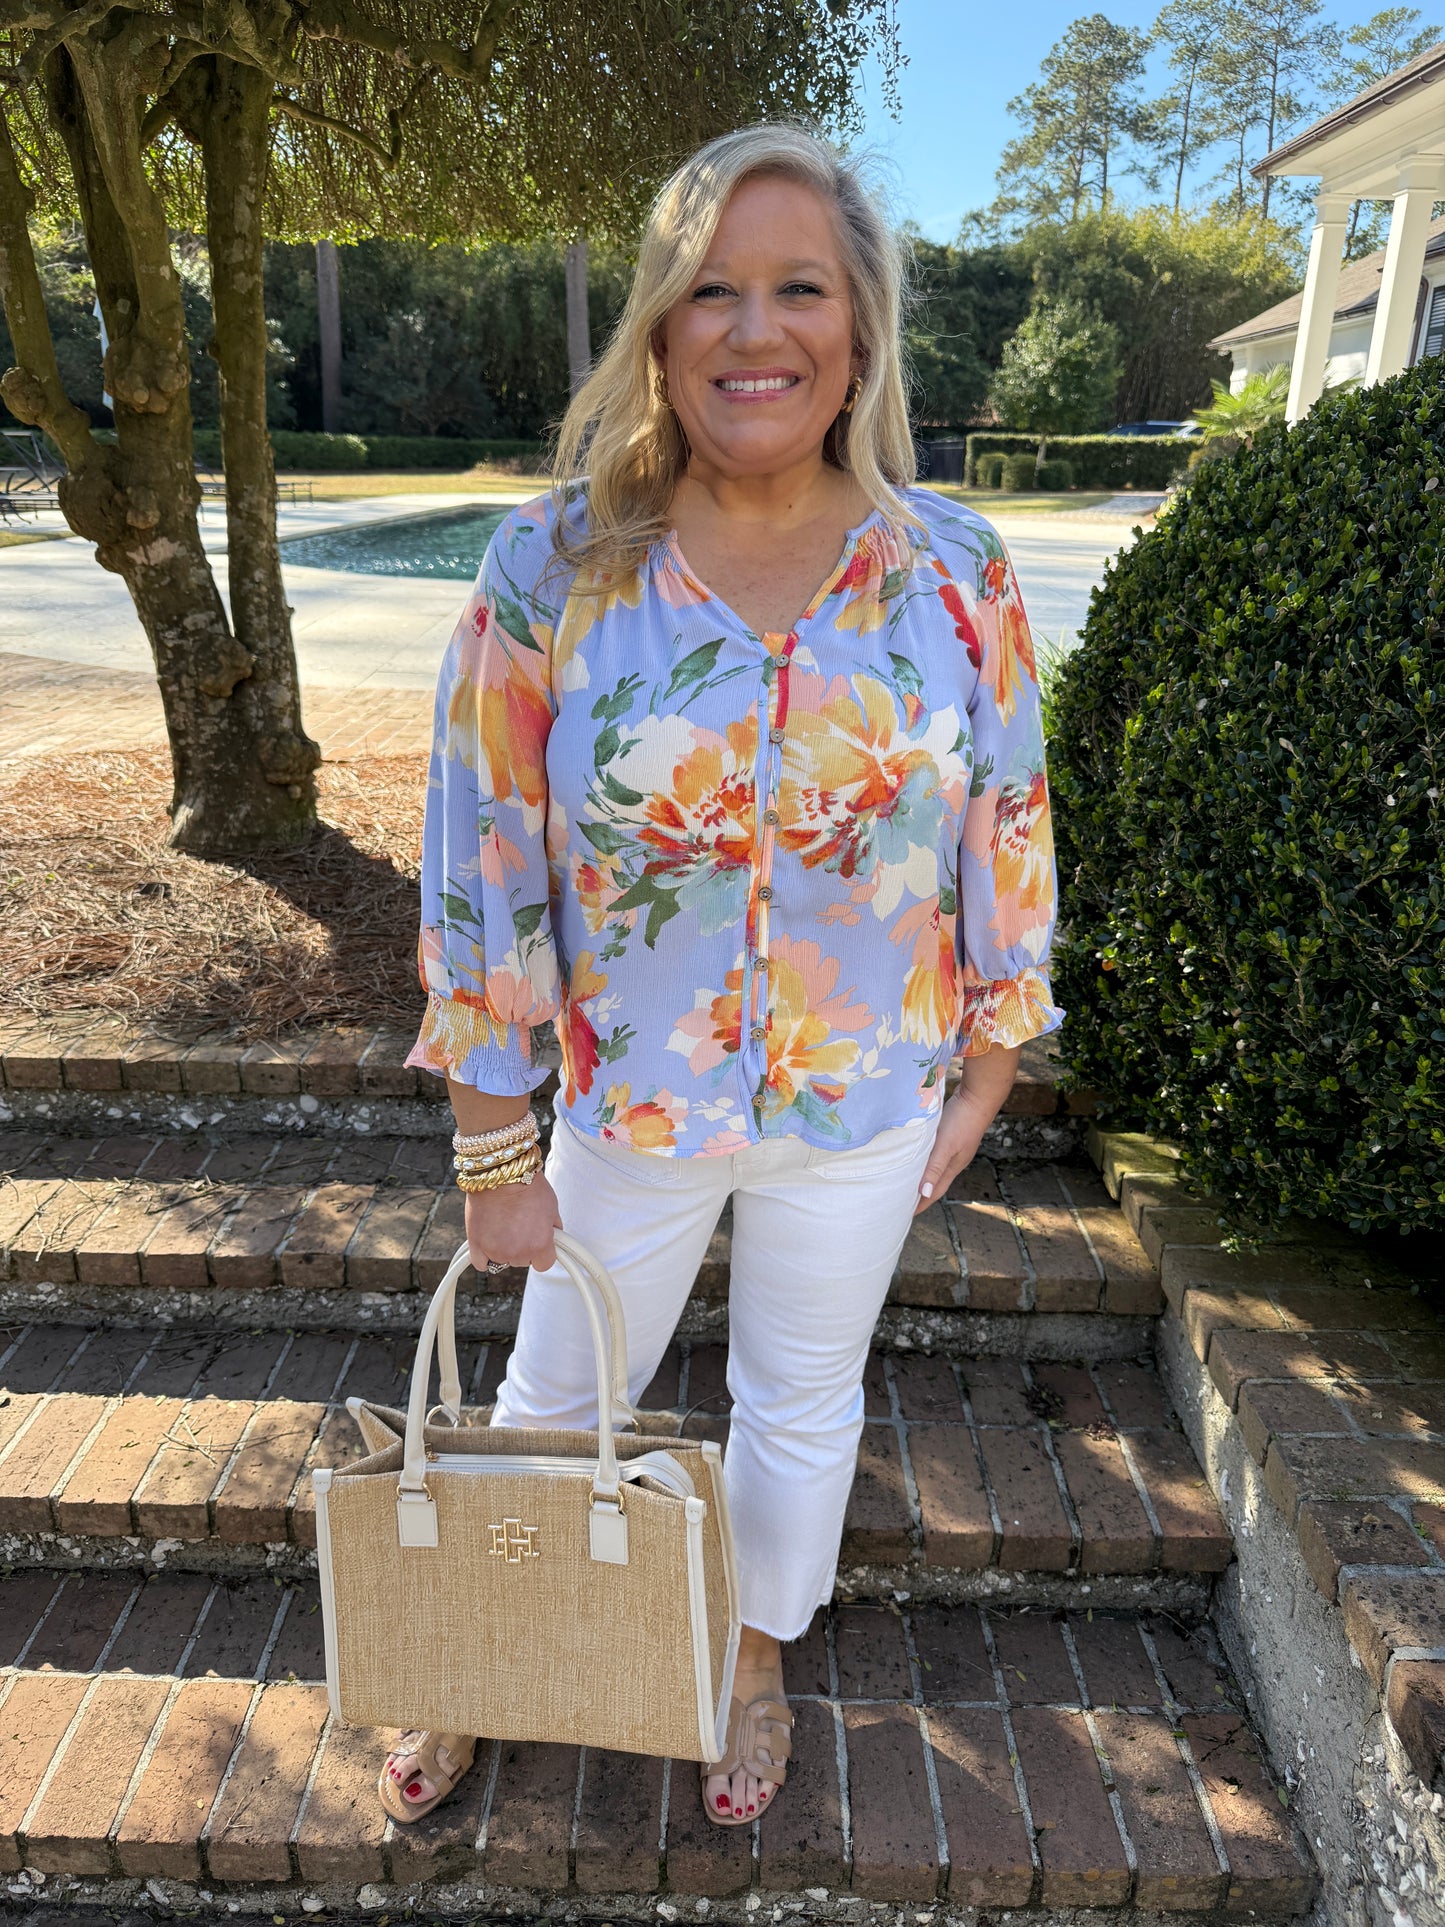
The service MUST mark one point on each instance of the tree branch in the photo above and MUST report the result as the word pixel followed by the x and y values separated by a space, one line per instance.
pixel 34 390
pixel 337 20
pixel 388 156
pixel 58 26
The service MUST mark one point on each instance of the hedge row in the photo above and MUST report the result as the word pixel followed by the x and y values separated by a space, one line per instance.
pixel 1098 461
pixel 1247 755
pixel 302 451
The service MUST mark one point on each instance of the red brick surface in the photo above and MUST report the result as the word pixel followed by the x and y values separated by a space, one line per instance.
pixel 1082 1856
pixel 161 1830
pixel 341 1830
pixel 37 1458
pixel 1264 1868
pixel 96 1498
pixel 251 1824
pixel 895 1856
pixel 173 1500
pixel 69 1830
pixel 34 1717
pixel 1416 1705
pixel 530 1828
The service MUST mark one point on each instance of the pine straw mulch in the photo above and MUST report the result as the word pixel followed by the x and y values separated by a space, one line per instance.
pixel 96 913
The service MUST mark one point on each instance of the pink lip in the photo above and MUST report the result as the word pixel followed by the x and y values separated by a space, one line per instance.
pixel 756 374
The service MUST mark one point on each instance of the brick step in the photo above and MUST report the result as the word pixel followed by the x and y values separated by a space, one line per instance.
pixel 172 1731
pixel 299 1230
pixel 123 1448
pixel 98 1053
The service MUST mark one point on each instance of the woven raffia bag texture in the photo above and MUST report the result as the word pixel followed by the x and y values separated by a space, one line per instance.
pixel 524 1584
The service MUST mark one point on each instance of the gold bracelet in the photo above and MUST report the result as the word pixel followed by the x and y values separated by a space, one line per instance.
pixel 518 1170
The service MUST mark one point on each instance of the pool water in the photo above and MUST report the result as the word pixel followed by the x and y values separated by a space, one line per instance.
pixel 443 548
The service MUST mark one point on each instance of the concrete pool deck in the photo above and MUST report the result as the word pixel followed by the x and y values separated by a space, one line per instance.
pixel 75 666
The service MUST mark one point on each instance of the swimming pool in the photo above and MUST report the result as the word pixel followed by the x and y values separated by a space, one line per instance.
pixel 442 548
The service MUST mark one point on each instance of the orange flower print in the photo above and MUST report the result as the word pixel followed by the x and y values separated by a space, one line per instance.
pixel 861 588
pixel 1008 648
pixel 576 1032
pixel 930 994
pixel 516 719
pixel 808 1063
pixel 964 626
pixel 1023 861
pixel 589 601
pixel 1009 1011
pixel 651 1125
pixel 857 791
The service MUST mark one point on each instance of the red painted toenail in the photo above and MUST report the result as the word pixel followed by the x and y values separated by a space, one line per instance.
pixel 413 1792
pixel 752 1809
pixel 722 1805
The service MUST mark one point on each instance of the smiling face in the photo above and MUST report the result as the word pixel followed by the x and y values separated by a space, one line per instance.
pixel 759 353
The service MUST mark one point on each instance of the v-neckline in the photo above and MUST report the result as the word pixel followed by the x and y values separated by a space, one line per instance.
pixel 774 640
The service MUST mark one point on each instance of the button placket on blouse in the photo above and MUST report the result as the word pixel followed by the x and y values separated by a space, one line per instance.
pixel 775 713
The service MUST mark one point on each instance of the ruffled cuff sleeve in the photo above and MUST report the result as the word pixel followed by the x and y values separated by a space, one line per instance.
pixel 461 1041
pixel 1008 1011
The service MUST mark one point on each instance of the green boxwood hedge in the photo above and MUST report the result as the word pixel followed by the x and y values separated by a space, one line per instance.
pixel 1019 471
pixel 989 471
pixel 1247 753
pixel 1099 461
pixel 297 450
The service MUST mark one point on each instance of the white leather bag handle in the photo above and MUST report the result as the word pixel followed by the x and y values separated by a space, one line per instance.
pixel 450 1388
pixel 416 1510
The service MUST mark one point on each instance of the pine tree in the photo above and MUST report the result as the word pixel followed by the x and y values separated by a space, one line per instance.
pixel 1085 105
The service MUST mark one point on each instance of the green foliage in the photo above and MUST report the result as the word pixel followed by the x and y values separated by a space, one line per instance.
pixel 967 302
pixel 1018 472
pixel 1078 117
pixel 300 450
pixel 1059 370
pixel 1056 473
pixel 1168 285
pixel 1098 461
pixel 444 340
pixel 1238 417
pixel 1247 754
pixel 988 471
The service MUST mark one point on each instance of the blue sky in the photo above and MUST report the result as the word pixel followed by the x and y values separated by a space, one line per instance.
pixel 967 59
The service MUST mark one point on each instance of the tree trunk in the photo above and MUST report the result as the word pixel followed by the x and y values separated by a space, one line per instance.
pixel 328 327
pixel 137 501
pixel 1039 460
pixel 579 333
pixel 234 137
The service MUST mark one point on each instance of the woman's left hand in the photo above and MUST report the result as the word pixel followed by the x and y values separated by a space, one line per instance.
pixel 984 1082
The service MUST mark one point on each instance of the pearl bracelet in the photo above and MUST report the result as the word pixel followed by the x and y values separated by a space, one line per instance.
pixel 523 1130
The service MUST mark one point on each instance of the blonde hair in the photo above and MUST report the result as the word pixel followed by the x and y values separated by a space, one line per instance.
pixel 620 429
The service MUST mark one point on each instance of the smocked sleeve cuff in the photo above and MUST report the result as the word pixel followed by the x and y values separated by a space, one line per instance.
pixel 1007 1011
pixel 461 1041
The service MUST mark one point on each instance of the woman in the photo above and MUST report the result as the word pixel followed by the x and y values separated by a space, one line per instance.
pixel 739 778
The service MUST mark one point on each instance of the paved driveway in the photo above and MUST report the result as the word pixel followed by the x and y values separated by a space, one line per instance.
pixel 367 631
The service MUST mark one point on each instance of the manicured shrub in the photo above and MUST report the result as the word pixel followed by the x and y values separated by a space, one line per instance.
pixel 1018 472
pixel 1100 461
pixel 1247 753
pixel 990 471
pixel 296 449
pixel 1055 472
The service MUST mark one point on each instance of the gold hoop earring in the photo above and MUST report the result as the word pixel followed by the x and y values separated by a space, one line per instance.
pixel 855 389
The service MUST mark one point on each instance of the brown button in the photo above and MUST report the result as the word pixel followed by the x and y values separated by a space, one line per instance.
pixel 760 1030
pixel 770 816
pixel 761 964
pixel 765 892
pixel 775 735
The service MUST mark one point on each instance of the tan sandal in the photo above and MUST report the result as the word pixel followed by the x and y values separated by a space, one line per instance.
pixel 760 1742
pixel 441 1758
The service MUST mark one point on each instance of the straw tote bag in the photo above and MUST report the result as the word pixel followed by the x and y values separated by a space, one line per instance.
pixel 525 1584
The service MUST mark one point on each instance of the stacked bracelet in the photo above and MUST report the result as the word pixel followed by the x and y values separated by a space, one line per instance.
pixel 487 1159
pixel 518 1169
pixel 522 1130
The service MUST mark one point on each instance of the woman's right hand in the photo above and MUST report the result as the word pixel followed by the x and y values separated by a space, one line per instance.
pixel 513 1225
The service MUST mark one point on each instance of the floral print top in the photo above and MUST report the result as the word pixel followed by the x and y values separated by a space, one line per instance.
pixel 766 885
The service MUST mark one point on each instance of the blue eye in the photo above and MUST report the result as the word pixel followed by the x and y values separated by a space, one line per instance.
pixel 709 289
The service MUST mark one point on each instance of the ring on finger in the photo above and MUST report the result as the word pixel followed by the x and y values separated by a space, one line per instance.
pixel 493 1265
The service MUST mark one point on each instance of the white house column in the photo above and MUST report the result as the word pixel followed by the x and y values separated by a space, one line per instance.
pixel 1419 186
pixel 1312 343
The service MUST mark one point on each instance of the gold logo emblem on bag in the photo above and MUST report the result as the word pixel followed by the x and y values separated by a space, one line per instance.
pixel 514 1542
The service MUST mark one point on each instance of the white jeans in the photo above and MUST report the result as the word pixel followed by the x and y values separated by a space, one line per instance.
pixel 816 1237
